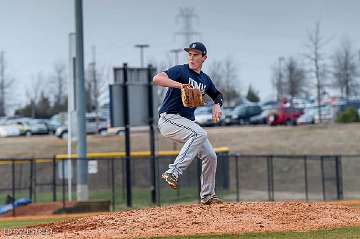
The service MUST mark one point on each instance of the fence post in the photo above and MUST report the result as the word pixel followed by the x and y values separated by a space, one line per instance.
pixel 270 177
pixel 154 164
pixel 237 177
pixel 35 181
pixel 54 177
pixel 113 184
pixel 63 182
pixel 198 169
pixel 322 177
pixel 31 178
pixel 13 185
pixel 339 182
pixel 306 179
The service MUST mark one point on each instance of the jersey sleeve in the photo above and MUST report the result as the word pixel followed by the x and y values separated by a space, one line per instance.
pixel 211 90
pixel 175 73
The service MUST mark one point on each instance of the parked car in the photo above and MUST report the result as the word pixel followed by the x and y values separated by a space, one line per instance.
pixel 242 113
pixel 34 125
pixel 203 116
pixel 226 116
pixel 284 116
pixel 308 117
pixel 328 113
pixel 23 127
pixel 261 118
pixel 56 121
pixel 9 130
pixel 93 125
pixel 271 104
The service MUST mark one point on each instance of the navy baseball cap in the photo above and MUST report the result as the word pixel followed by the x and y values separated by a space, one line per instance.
pixel 198 46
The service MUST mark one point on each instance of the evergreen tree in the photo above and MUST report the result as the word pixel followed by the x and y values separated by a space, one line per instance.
pixel 252 95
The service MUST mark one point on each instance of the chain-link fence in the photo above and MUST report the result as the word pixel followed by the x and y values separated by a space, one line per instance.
pixel 239 178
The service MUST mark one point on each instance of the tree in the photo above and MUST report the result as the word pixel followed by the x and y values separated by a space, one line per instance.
pixel 252 95
pixel 94 83
pixel 295 81
pixel 58 81
pixel 345 70
pixel 225 78
pixel 42 106
pixel 33 92
pixel 162 66
pixel 315 55
pixel 278 78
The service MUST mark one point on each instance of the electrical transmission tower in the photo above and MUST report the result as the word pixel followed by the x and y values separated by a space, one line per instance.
pixel 186 16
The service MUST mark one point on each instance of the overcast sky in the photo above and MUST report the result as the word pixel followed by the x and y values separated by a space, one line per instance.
pixel 252 33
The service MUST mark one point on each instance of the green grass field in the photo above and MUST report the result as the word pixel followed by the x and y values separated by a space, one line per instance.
pixel 24 223
pixel 341 233
pixel 141 197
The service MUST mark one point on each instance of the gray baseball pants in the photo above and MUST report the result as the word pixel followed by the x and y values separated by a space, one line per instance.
pixel 196 143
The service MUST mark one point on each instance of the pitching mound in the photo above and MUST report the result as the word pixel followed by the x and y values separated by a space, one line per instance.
pixel 233 218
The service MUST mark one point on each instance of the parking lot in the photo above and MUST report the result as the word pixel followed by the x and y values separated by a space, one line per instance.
pixel 304 139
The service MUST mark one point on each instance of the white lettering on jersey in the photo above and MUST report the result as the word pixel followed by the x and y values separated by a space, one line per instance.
pixel 197 85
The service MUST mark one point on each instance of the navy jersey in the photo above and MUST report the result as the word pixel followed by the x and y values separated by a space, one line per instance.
pixel 172 103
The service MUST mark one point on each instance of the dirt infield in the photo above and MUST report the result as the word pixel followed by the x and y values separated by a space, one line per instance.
pixel 184 220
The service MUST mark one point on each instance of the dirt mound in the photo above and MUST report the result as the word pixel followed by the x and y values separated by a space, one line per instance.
pixel 215 219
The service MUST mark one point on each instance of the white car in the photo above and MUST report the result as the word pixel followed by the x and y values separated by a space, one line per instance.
pixel 9 130
pixel 308 117
pixel 203 116
pixel 33 126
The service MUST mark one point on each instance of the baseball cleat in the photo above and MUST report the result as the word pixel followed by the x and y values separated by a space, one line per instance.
pixel 170 179
pixel 213 200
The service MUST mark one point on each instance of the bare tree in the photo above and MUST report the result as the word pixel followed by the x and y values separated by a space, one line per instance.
pixel 277 78
pixel 162 66
pixel 224 76
pixel 5 84
pixel 58 82
pixel 295 80
pixel 33 92
pixel 316 56
pixel 345 70
pixel 94 83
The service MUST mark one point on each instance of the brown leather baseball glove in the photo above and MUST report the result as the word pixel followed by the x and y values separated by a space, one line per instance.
pixel 191 97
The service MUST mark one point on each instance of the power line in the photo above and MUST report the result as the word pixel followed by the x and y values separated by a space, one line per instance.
pixel 186 16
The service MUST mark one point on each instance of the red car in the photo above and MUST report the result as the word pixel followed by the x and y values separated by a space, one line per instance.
pixel 284 116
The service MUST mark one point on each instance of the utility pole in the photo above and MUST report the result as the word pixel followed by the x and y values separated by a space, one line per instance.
pixel 2 84
pixel 176 54
pixel 71 108
pixel 82 162
pixel 186 16
pixel 142 46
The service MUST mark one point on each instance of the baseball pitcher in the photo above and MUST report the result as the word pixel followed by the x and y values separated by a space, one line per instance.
pixel 186 86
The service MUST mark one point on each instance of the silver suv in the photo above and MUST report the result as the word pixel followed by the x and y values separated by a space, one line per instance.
pixel 94 125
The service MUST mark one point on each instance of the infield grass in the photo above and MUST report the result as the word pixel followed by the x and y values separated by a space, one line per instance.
pixel 141 196
pixel 29 222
